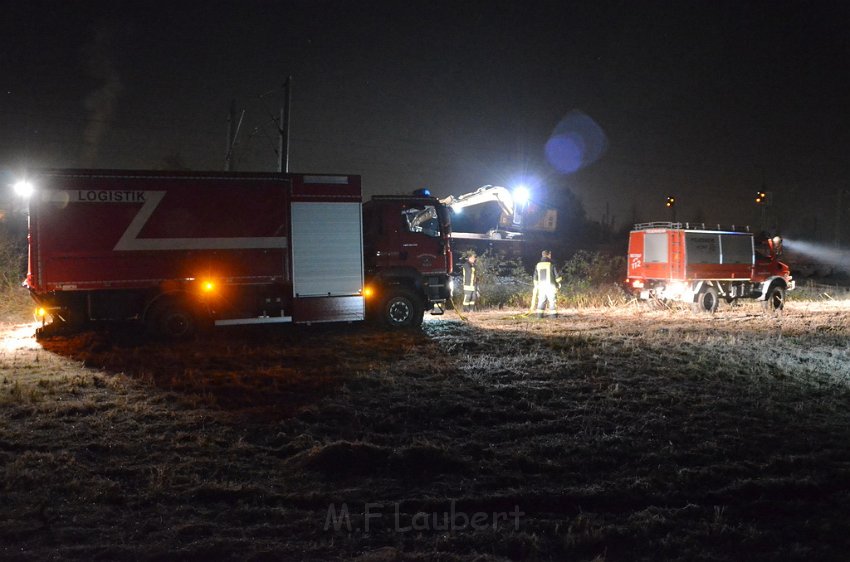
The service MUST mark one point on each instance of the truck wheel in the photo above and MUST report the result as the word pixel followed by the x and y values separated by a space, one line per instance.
pixel 708 300
pixel 175 321
pixel 775 300
pixel 402 309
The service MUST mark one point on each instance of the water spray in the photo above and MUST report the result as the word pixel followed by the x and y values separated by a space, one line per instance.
pixel 837 258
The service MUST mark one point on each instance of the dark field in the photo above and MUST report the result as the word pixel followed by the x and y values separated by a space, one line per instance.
pixel 606 434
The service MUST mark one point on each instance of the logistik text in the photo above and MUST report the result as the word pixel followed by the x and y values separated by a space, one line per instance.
pixel 103 196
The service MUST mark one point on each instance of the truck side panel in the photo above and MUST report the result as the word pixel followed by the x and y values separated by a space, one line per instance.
pixel 92 232
pixel 327 249
pixel 690 255
pixel 650 255
pixel 109 244
pixel 713 255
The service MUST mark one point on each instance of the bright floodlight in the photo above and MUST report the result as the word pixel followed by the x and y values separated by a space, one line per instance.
pixel 23 188
pixel 520 195
pixel 457 209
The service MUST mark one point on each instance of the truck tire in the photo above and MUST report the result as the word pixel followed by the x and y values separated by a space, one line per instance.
pixel 174 321
pixel 775 300
pixel 402 309
pixel 707 300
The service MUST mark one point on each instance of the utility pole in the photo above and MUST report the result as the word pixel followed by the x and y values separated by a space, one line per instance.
pixel 231 128
pixel 838 217
pixel 283 128
pixel 232 132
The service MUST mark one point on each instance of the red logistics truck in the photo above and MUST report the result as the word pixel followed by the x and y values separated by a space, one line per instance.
pixel 680 262
pixel 179 250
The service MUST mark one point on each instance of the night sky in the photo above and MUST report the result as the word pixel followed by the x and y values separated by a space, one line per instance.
pixel 704 100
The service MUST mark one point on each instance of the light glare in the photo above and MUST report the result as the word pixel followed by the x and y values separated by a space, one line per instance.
pixel 23 188
pixel 521 195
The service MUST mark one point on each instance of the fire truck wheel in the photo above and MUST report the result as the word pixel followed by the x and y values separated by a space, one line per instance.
pixel 775 300
pixel 175 321
pixel 708 300
pixel 402 309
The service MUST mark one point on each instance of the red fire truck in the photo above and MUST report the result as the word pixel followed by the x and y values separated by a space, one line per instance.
pixel 693 264
pixel 177 250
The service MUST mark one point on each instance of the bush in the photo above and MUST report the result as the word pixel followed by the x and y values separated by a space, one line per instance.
pixel 592 279
pixel 15 303
pixel 589 279
pixel 503 281
pixel 808 290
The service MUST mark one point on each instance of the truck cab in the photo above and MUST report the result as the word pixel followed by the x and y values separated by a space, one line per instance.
pixel 407 257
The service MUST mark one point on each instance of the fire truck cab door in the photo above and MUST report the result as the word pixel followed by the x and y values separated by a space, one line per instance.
pixel 419 236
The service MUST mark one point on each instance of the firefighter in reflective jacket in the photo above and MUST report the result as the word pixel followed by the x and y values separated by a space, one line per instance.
pixel 470 283
pixel 546 282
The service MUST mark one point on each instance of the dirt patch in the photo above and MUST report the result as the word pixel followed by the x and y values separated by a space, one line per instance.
pixel 618 434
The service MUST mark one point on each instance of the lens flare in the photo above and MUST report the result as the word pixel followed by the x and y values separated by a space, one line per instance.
pixel 576 142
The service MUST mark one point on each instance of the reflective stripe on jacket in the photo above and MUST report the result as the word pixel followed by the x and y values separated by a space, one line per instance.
pixel 544 273
pixel 469 280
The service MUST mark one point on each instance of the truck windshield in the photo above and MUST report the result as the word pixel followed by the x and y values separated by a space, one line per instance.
pixel 422 220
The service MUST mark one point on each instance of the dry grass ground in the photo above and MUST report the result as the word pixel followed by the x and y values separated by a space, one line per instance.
pixel 607 434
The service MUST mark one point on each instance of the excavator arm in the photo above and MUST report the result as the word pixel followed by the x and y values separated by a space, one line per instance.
pixel 484 194
pixel 517 214
pixel 489 194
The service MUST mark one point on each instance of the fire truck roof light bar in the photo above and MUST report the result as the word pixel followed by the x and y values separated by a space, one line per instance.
pixel 690 226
